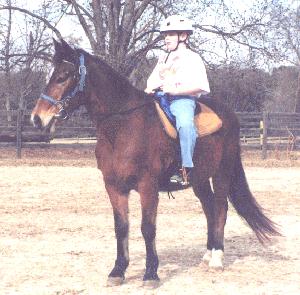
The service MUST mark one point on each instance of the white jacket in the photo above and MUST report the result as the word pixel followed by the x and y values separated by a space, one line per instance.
pixel 184 68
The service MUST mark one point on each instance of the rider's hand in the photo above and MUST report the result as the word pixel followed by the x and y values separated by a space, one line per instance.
pixel 149 90
pixel 153 90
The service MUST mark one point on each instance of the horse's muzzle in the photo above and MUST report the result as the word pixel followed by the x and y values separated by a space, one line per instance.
pixel 37 122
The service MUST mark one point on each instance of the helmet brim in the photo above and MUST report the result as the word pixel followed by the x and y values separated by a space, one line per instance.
pixel 189 32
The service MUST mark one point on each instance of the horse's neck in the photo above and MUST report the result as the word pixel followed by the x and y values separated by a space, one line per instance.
pixel 109 93
pixel 109 97
pixel 112 103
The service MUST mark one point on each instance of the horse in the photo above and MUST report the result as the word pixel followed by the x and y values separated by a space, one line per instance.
pixel 134 152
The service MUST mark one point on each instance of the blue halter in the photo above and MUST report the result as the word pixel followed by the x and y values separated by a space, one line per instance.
pixel 63 102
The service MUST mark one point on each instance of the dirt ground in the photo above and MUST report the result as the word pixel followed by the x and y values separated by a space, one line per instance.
pixel 57 236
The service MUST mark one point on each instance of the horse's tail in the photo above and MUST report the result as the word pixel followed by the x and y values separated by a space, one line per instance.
pixel 247 207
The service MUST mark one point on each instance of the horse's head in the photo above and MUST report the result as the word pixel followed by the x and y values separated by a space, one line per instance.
pixel 63 92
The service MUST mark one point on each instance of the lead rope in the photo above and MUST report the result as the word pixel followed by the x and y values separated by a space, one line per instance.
pixel 178 41
pixel 173 49
pixel 170 195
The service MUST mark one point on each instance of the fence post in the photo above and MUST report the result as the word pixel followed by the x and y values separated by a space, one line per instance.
pixel 264 139
pixel 19 133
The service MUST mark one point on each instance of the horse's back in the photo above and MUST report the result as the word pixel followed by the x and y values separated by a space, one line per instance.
pixel 230 121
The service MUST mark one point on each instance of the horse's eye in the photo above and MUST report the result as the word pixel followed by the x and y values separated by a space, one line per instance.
pixel 63 77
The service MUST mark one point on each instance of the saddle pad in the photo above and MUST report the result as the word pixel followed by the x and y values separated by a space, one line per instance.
pixel 206 122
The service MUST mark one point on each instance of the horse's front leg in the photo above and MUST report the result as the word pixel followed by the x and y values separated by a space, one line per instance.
pixel 119 202
pixel 148 189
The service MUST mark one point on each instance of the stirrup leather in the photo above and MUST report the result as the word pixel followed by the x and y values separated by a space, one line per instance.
pixel 185 179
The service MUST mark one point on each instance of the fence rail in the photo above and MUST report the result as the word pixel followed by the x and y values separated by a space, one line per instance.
pixel 258 130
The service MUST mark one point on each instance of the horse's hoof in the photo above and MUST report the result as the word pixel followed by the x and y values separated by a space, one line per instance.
pixel 207 257
pixel 216 261
pixel 216 268
pixel 151 284
pixel 150 280
pixel 114 281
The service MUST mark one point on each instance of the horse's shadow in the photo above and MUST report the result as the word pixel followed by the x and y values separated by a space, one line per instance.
pixel 176 260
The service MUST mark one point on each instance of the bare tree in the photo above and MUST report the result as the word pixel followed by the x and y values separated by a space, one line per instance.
pixel 6 37
pixel 287 43
pixel 124 32
pixel 21 59
pixel 242 89
pixel 283 89
pixel 121 32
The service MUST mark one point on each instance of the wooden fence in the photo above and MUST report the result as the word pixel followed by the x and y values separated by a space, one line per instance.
pixel 21 133
pixel 270 131
pixel 258 130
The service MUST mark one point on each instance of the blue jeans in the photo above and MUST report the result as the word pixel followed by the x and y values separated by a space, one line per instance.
pixel 184 109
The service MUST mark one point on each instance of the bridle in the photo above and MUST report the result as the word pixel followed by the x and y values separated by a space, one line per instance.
pixel 79 88
pixel 65 100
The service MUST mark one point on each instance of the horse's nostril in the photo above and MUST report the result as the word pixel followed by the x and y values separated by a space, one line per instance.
pixel 37 122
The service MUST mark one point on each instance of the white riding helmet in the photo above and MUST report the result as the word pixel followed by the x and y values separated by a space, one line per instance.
pixel 177 23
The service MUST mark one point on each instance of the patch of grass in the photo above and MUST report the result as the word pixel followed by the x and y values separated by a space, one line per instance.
pixel 84 156
pixel 274 158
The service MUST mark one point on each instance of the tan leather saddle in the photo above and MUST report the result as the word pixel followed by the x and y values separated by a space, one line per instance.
pixel 206 121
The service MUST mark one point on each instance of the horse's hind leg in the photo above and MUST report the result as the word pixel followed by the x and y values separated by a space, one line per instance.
pixel 148 190
pixel 221 183
pixel 205 195
pixel 119 203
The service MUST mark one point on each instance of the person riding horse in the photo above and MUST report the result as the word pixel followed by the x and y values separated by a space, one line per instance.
pixel 133 152
pixel 180 74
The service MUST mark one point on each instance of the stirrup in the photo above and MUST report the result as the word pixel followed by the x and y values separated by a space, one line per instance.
pixel 183 178
pixel 176 178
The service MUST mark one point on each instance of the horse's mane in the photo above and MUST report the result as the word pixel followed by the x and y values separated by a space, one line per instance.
pixel 115 75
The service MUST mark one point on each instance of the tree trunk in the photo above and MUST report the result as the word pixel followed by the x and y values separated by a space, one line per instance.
pixel 297 107
pixel 7 68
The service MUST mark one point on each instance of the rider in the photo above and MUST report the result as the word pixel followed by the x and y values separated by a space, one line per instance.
pixel 182 75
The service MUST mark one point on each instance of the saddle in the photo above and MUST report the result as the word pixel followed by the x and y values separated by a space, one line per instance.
pixel 206 121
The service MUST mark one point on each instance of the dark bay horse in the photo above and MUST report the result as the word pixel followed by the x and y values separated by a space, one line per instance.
pixel 134 152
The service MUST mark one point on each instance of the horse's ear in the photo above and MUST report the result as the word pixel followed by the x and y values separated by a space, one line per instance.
pixel 57 45
pixel 63 51
pixel 58 55
pixel 65 45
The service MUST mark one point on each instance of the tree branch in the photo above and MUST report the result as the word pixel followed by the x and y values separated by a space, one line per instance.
pixel 45 21
pixel 83 23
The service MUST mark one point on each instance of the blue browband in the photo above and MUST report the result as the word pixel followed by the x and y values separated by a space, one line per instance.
pixel 62 103
pixel 50 99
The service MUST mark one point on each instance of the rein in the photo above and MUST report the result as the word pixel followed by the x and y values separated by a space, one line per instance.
pixel 64 101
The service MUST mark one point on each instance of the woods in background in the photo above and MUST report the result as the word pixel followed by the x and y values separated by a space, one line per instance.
pixel 252 51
